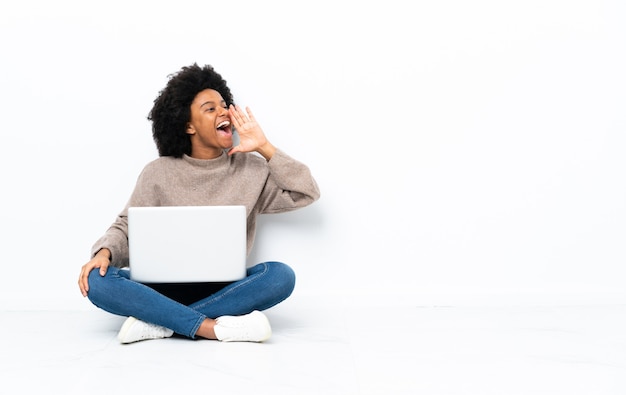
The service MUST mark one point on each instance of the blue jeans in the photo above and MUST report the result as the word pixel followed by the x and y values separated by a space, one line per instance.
pixel 265 285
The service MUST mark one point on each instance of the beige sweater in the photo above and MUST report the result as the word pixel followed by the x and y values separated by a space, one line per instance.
pixel 279 185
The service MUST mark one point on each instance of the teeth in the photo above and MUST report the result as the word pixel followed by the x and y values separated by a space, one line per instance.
pixel 223 124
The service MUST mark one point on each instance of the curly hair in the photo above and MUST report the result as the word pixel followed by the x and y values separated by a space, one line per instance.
pixel 172 107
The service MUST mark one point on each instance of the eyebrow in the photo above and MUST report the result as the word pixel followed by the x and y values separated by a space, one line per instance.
pixel 211 102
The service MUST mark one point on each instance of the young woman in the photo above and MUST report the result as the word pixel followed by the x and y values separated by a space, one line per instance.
pixel 192 125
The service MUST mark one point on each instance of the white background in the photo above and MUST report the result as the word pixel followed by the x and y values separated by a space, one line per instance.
pixel 467 151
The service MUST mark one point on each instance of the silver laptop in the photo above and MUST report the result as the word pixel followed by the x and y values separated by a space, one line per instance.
pixel 187 244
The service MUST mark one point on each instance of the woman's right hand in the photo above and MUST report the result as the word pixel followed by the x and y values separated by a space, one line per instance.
pixel 101 260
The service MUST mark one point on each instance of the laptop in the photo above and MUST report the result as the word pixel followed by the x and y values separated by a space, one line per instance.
pixel 180 244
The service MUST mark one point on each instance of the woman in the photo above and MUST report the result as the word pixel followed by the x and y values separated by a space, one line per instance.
pixel 192 125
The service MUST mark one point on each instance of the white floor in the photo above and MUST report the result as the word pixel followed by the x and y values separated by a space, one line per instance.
pixel 329 349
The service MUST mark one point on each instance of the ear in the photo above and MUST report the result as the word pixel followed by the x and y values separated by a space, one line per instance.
pixel 190 129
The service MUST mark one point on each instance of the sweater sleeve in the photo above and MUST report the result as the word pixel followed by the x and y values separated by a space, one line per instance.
pixel 115 238
pixel 289 186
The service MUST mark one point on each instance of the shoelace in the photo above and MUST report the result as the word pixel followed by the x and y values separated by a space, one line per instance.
pixel 151 331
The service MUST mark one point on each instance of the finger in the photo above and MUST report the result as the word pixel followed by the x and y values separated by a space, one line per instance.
pixel 83 282
pixel 234 116
pixel 103 269
pixel 235 149
pixel 250 115
pixel 243 116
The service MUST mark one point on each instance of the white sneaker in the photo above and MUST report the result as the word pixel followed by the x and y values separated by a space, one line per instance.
pixel 253 327
pixel 135 330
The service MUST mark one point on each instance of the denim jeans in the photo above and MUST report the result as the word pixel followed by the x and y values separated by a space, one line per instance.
pixel 264 286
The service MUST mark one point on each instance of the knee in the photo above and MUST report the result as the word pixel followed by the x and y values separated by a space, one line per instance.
pixel 95 286
pixel 283 278
pixel 102 288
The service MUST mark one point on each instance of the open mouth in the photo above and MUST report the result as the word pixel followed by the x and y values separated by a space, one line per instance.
pixel 224 127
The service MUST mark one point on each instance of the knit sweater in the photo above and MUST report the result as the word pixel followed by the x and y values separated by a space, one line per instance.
pixel 279 185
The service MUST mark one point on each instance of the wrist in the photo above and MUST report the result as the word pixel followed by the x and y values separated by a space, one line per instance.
pixel 267 150
pixel 104 253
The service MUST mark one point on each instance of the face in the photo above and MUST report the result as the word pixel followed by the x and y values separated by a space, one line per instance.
pixel 209 127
